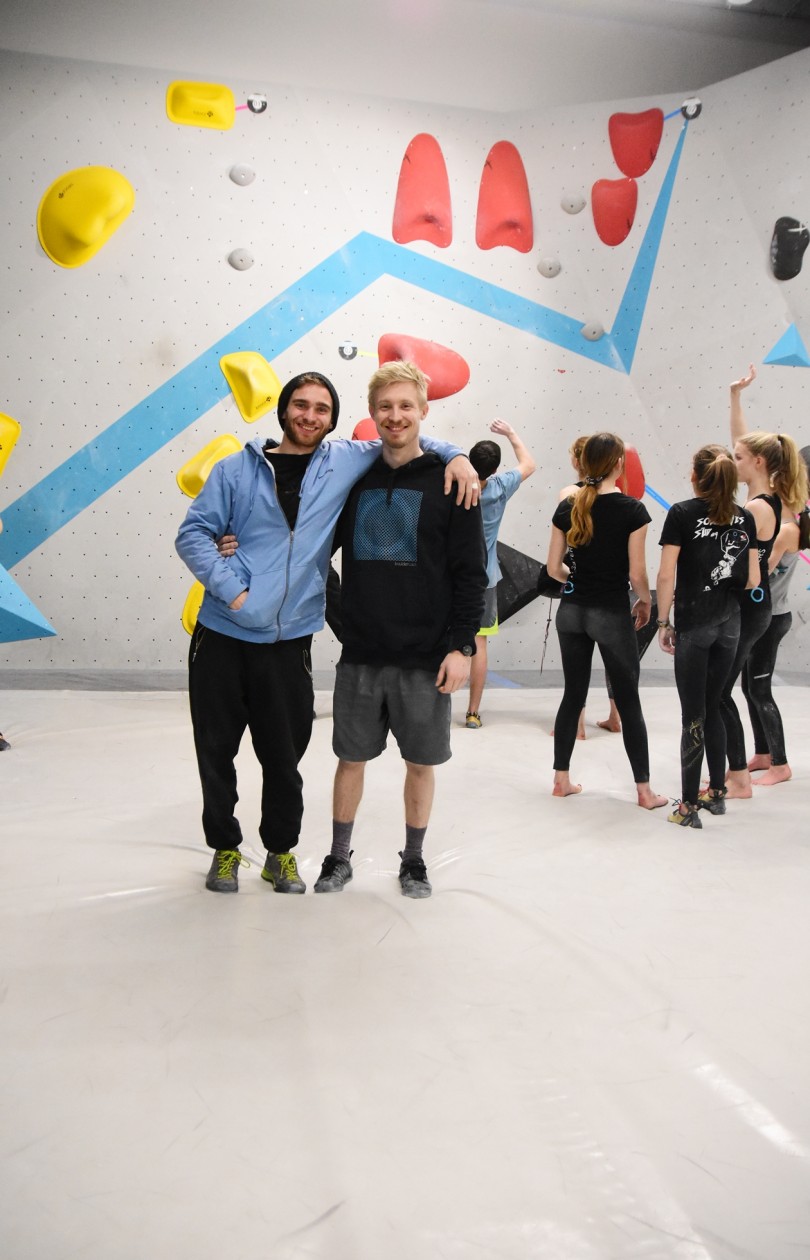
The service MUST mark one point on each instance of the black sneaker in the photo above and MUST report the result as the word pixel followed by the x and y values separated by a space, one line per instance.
pixel 413 878
pixel 692 819
pixel 335 874
pixel 4 744
pixel 714 800
pixel 224 873
pixel 281 870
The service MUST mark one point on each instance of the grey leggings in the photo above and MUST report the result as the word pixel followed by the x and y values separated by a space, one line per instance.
pixel 580 629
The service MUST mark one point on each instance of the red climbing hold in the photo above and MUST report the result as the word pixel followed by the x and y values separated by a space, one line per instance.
pixel 613 202
pixel 504 205
pixel 634 139
pixel 422 210
pixel 365 431
pixel 448 372
pixel 631 481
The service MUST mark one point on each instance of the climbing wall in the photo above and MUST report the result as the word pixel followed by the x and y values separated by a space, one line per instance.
pixel 604 266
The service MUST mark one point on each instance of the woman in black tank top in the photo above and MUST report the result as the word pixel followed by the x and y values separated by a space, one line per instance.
pixel 772 468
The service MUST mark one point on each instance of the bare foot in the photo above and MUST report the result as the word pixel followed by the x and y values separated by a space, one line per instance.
pixel 648 799
pixel 760 761
pixel 774 774
pixel 610 725
pixel 738 785
pixel 563 785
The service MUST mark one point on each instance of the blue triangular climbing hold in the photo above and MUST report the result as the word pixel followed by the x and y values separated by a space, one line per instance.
pixel 19 619
pixel 789 351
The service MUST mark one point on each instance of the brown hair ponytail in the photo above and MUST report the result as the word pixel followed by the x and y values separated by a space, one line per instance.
pixel 600 455
pixel 716 482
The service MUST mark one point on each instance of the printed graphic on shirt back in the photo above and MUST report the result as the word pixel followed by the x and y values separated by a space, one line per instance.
pixel 733 543
pixel 386 525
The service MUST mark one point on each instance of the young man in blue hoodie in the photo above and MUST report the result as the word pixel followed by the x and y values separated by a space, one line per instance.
pixel 249 659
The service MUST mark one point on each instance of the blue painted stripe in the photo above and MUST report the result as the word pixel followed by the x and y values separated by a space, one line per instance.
pixel 654 495
pixel 503 684
pixel 627 325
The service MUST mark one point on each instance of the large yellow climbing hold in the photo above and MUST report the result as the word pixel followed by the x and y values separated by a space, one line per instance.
pixel 9 432
pixel 80 211
pixel 253 382
pixel 194 474
pixel 191 607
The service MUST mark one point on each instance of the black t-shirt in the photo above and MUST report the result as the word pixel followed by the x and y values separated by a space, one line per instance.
pixel 765 545
pixel 289 470
pixel 600 571
pixel 712 563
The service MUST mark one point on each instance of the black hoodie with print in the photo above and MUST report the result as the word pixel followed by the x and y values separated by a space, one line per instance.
pixel 414 567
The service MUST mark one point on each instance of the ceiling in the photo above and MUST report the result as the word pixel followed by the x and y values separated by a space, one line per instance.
pixel 494 55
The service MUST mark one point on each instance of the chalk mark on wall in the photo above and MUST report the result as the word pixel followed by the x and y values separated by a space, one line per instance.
pixel 128 442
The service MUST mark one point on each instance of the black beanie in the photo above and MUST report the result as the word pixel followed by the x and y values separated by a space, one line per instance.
pixel 291 386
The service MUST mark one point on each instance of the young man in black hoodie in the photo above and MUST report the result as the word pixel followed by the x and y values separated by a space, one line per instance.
pixel 413 582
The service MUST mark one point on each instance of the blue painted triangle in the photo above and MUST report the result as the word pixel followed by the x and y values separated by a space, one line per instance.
pixel 19 619
pixel 789 351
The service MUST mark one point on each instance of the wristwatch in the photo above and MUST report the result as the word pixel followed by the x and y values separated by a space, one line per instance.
pixel 466 649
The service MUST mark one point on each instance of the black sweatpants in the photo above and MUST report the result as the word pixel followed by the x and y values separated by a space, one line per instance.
pixel 265 688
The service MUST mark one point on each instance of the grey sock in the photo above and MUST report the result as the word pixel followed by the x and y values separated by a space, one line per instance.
pixel 414 839
pixel 341 839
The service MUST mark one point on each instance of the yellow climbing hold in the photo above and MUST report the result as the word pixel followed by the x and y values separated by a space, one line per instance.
pixel 194 474
pixel 201 105
pixel 80 211
pixel 192 607
pixel 253 383
pixel 9 432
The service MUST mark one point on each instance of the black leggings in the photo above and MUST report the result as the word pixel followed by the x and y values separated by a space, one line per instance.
pixel 754 621
pixel 644 638
pixel 703 659
pixel 757 675
pixel 580 629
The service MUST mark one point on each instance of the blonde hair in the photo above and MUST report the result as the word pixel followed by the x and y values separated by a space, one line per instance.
pixel 397 370
pixel 600 455
pixel 716 482
pixel 576 448
pixel 784 464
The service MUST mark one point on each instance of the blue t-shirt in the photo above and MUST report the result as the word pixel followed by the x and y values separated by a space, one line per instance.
pixel 494 497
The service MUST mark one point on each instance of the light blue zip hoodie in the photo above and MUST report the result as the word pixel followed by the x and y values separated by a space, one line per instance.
pixel 283 570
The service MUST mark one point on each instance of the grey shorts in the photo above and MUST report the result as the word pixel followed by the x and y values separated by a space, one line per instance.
pixel 371 700
pixel 489 621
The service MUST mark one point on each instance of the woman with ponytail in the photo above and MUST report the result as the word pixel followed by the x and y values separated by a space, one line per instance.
pixel 786 471
pixel 605 532
pixel 709 553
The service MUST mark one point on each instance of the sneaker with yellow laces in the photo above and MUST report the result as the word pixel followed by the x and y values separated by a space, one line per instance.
pixel 224 873
pixel 281 870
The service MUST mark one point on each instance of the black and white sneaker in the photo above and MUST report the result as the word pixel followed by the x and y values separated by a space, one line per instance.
pixel 413 878
pixel 335 874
